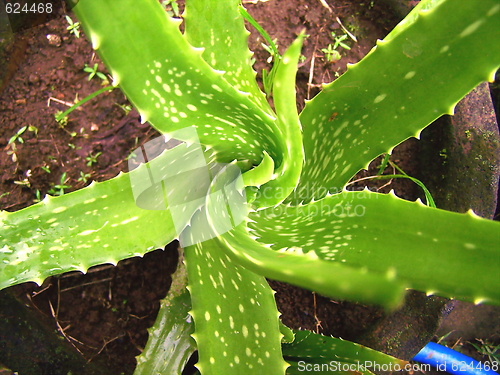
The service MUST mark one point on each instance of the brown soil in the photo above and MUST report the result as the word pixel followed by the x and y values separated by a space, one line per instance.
pixel 105 313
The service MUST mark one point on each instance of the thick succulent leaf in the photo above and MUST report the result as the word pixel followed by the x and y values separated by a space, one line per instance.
pixel 411 17
pixel 396 90
pixel 218 27
pixel 296 268
pixel 260 174
pixel 286 175
pixel 102 223
pixel 334 354
pixel 432 250
pixel 235 315
pixel 309 271
pixel 170 84
pixel 313 346
pixel 170 343
pixel 288 335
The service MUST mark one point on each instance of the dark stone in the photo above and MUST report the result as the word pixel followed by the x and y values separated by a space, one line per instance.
pixel 461 156
pixel 407 330
pixel 48 354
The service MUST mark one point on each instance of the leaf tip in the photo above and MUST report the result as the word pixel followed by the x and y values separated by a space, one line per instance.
pixel 116 79
pixel 144 116
pixel 95 40
pixel 450 110
pixel 176 21
pixel 480 300
pixel 471 213
pixel 46 199
pixel 350 66
pixel 492 75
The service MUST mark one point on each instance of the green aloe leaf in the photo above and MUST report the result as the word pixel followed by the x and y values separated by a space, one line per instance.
pixel 412 17
pixel 175 90
pixel 396 90
pixel 359 246
pixel 313 351
pixel 170 343
pixel 101 223
pixel 287 173
pixel 235 315
pixel 224 39
pixel 328 278
pixel 260 174
pixel 82 229
pixel 435 251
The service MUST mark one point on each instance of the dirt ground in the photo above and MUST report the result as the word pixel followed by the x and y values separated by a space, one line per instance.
pixel 105 313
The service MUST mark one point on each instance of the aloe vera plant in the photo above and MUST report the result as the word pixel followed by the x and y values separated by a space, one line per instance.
pixel 274 204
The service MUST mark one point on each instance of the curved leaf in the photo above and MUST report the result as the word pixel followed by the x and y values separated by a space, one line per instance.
pixel 224 39
pixel 170 344
pixel 261 173
pixel 287 172
pixel 309 271
pixel 310 350
pixel 175 90
pixel 432 250
pixel 235 315
pixel 399 88
pixel 101 223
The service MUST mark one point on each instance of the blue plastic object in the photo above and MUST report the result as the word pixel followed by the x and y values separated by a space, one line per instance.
pixel 453 362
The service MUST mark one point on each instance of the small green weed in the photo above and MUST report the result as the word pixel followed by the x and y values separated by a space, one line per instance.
pixel 59 188
pixel 171 7
pixel 488 349
pixel 84 177
pixel 62 120
pixel 74 27
pixel 331 54
pixel 125 108
pixel 93 72
pixel 17 137
pixel 92 159
pixel 38 197
pixel 339 41
pixel 271 47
